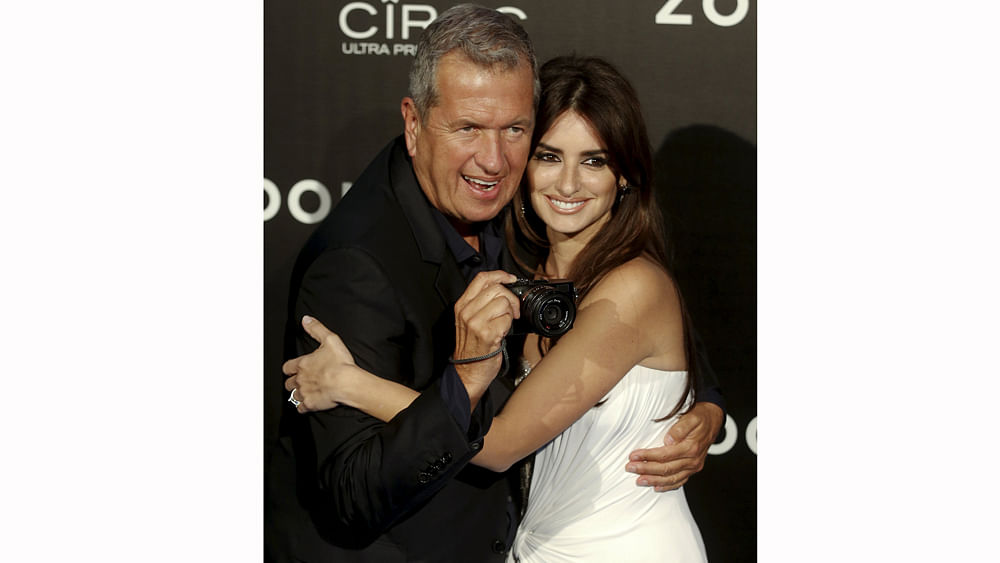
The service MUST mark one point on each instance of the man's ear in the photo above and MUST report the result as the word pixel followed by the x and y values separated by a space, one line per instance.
pixel 411 124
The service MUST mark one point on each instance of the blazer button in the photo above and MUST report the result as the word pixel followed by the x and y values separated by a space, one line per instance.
pixel 499 547
pixel 476 445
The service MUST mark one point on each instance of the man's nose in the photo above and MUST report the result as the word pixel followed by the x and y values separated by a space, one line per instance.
pixel 489 156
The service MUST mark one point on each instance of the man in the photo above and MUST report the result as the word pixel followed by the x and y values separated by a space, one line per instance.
pixel 385 271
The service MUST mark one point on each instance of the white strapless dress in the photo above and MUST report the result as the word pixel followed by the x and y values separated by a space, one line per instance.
pixel 584 506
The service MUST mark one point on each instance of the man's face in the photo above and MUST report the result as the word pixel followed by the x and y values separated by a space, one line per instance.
pixel 471 149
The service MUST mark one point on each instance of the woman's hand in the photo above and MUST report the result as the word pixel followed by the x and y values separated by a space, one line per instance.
pixel 320 379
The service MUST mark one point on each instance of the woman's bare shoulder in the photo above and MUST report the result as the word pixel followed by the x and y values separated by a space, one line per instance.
pixel 640 294
pixel 640 281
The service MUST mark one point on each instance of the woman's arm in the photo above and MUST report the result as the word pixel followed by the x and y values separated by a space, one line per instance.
pixel 328 377
pixel 626 319
pixel 630 317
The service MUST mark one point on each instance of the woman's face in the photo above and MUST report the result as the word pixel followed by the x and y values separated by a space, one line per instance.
pixel 572 187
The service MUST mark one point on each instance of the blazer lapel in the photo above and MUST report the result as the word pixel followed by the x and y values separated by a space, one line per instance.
pixel 418 211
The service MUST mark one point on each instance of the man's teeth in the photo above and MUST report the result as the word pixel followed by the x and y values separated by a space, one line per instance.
pixel 485 186
pixel 566 204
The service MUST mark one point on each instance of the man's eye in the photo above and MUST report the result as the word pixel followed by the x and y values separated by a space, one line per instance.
pixel 516 130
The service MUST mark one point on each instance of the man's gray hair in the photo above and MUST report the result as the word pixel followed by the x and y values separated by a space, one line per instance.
pixel 485 36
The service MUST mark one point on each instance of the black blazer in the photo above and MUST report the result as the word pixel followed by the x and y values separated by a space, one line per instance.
pixel 343 486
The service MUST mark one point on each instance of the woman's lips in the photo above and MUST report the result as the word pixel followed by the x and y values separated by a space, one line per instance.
pixel 563 206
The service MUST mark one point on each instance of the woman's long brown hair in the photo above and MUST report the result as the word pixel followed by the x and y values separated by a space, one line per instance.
pixel 598 93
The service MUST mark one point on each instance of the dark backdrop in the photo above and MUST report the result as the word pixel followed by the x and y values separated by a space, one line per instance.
pixel 334 74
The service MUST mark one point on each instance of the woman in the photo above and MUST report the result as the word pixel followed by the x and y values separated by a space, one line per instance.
pixel 620 376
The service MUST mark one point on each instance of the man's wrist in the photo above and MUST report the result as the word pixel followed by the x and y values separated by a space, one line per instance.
pixel 502 348
pixel 477 378
pixel 714 412
pixel 477 373
pixel 714 396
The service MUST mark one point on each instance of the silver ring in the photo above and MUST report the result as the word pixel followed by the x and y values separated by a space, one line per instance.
pixel 293 400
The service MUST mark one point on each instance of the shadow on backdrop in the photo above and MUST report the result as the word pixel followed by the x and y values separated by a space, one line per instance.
pixel 707 187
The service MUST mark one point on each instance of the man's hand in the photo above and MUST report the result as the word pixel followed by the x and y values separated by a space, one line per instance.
pixel 483 315
pixel 686 445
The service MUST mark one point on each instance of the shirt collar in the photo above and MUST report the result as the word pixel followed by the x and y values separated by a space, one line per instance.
pixel 490 243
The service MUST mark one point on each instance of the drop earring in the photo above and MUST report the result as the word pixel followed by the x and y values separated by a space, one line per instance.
pixel 622 190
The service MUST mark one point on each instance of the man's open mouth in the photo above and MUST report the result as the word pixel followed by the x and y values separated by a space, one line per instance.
pixel 481 184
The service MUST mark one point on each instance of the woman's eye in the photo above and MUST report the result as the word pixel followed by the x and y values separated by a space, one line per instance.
pixel 546 157
pixel 596 162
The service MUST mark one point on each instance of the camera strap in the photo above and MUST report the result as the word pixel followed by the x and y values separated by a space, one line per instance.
pixel 502 349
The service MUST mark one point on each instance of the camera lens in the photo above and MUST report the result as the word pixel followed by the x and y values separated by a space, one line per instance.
pixel 552 313
pixel 549 312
